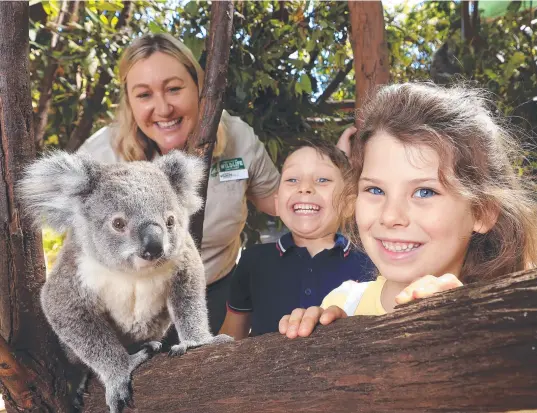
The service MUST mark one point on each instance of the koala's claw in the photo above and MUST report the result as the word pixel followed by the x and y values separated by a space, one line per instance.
pixel 221 338
pixel 119 395
pixel 181 348
pixel 153 346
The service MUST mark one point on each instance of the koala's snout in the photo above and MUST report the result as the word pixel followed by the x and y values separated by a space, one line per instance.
pixel 152 237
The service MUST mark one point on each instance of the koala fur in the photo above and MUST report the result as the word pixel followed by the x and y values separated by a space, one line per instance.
pixel 128 267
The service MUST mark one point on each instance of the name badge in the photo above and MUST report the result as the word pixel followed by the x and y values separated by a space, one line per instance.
pixel 232 169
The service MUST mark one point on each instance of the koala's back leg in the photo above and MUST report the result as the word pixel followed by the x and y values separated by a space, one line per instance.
pixel 80 391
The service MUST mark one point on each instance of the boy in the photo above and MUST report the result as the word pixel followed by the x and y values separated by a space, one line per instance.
pixel 306 264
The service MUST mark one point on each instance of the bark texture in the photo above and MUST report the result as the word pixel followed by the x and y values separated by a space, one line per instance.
pixel 31 375
pixel 371 63
pixel 473 349
pixel 211 104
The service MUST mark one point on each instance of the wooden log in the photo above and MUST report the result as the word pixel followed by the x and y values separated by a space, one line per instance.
pixel 472 349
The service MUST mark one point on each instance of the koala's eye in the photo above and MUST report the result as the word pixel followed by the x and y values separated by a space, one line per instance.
pixel 119 224
pixel 170 222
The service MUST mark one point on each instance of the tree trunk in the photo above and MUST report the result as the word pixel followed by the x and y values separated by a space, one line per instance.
pixel 31 375
pixel 211 104
pixel 472 349
pixel 371 64
pixel 93 102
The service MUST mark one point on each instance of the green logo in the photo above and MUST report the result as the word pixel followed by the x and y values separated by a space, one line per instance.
pixel 214 171
pixel 231 165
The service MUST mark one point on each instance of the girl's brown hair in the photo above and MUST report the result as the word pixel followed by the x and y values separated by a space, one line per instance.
pixel 477 155
pixel 131 143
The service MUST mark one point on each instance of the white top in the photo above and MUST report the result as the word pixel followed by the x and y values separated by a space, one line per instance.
pixel 225 210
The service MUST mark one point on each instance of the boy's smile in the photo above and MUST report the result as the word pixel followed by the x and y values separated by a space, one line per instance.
pixel 306 196
pixel 410 224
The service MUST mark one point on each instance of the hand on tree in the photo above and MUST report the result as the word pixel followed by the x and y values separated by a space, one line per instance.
pixel 302 322
pixel 427 286
pixel 344 141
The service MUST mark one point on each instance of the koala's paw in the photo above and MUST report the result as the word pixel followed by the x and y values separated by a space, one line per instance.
pixel 181 348
pixel 154 347
pixel 220 339
pixel 119 394
pixel 147 351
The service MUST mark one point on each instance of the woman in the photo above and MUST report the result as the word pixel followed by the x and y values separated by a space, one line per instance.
pixel 160 86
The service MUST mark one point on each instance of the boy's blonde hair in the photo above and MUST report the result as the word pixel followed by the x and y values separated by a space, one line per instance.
pixel 131 143
pixel 477 156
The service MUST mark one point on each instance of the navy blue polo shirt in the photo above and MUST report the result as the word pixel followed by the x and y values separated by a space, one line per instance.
pixel 273 279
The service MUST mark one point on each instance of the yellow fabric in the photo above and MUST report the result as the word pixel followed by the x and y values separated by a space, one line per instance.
pixel 369 303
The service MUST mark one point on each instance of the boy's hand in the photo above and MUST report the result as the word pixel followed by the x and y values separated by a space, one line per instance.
pixel 427 286
pixel 302 322
pixel 344 141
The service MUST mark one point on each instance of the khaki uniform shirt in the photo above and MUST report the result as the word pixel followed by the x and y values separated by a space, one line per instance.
pixel 225 210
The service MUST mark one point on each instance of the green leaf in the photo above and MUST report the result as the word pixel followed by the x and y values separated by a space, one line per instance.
pixel 273 149
pixel 154 27
pixel 305 83
pixel 191 9
pixel 109 6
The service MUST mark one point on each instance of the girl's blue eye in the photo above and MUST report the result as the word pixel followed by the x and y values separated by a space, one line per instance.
pixel 424 193
pixel 323 180
pixel 175 89
pixel 375 191
pixel 142 95
pixel 291 180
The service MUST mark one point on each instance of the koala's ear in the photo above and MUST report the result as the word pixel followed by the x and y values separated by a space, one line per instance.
pixel 52 187
pixel 185 173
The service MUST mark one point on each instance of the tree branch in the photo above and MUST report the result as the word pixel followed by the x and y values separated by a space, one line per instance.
pixel 22 269
pixel 211 101
pixel 471 349
pixel 333 85
pixel 15 378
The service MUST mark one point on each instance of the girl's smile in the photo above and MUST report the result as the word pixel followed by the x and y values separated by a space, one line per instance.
pixel 410 224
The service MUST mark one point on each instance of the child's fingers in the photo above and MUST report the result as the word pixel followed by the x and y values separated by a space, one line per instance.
pixel 331 314
pixel 343 142
pixel 449 281
pixel 309 321
pixel 294 322
pixel 427 286
pixel 436 285
pixel 284 324
pixel 407 294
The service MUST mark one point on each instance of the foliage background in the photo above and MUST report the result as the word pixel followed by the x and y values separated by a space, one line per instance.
pixel 284 56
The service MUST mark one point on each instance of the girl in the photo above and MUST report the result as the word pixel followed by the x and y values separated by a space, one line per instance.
pixel 435 194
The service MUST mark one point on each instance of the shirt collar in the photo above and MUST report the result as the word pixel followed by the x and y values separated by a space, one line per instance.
pixel 286 242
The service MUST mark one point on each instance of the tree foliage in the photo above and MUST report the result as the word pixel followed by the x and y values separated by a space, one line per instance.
pixel 283 57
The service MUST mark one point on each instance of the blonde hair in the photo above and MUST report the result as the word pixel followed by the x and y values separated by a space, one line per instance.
pixel 477 156
pixel 131 143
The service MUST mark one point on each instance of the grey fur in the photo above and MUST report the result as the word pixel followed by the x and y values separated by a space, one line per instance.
pixel 101 296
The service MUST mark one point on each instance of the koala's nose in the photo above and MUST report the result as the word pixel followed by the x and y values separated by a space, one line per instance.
pixel 152 236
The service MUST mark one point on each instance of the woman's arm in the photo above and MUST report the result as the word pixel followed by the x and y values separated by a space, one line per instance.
pixel 266 204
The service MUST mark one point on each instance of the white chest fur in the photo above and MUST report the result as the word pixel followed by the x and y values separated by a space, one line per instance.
pixel 133 301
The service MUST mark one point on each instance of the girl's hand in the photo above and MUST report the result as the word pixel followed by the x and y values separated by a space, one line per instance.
pixel 302 322
pixel 427 286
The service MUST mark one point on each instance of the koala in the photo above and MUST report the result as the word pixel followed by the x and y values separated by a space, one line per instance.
pixel 128 268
